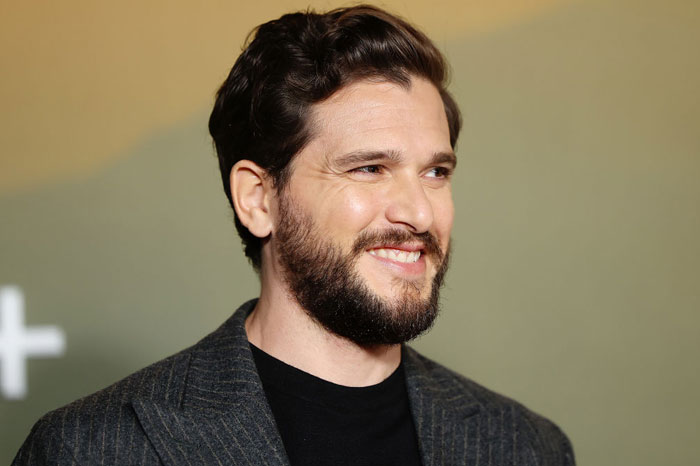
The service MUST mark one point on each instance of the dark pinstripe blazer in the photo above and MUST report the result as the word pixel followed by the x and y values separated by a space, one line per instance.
pixel 206 406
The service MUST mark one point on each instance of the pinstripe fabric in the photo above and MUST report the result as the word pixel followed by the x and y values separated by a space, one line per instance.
pixel 206 406
pixel 460 422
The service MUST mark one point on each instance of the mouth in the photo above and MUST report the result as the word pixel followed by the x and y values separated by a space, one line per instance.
pixel 407 261
pixel 399 255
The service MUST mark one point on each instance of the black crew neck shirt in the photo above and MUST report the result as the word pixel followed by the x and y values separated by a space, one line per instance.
pixel 322 423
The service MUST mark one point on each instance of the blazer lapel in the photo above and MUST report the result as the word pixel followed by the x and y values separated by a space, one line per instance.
pixel 448 420
pixel 236 437
pixel 222 416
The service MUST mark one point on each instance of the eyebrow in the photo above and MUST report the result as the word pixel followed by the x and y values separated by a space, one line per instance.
pixel 368 156
pixel 444 157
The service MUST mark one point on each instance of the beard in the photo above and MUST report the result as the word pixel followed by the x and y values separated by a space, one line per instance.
pixel 325 283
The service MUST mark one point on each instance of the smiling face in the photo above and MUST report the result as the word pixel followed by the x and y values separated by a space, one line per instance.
pixel 363 224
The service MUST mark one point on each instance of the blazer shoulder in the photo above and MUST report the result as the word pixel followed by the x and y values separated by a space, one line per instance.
pixel 103 427
pixel 95 427
pixel 542 434
pixel 43 446
pixel 161 380
pixel 454 384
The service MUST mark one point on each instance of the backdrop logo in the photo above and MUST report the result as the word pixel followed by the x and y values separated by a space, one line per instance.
pixel 18 342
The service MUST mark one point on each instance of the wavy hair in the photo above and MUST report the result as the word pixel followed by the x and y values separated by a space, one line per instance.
pixel 262 109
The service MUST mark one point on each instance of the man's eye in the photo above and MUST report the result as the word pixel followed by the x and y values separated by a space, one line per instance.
pixel 439 172
pixel 368 169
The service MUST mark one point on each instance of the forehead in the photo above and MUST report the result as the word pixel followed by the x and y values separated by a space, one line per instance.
pixel 381 116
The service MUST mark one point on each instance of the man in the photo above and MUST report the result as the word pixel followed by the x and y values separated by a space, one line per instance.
pixel 335 137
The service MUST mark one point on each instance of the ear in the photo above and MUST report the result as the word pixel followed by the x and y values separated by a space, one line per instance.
pixel 251 190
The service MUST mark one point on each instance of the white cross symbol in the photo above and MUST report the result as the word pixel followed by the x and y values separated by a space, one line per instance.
pixel 17 343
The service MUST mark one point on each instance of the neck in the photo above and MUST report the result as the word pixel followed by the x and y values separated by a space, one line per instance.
pixel 281 328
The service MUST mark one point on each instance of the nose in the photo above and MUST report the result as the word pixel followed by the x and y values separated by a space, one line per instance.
pixel 409 205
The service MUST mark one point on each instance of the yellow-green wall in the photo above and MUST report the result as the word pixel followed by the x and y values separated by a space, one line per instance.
pixel 575 285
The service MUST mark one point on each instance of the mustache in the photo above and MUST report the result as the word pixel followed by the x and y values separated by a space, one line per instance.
pixel 371 238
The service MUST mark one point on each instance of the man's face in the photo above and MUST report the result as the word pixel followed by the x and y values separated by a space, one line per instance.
pixel 363 226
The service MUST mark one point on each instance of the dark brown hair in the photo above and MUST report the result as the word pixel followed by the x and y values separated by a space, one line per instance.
pixel 261 111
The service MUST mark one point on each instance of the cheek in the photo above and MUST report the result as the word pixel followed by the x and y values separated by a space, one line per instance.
pixel 351 211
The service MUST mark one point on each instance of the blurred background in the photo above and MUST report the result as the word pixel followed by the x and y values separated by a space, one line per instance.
pixel 575 285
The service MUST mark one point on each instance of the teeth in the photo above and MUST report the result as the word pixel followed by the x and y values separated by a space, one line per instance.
pixel 397 255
